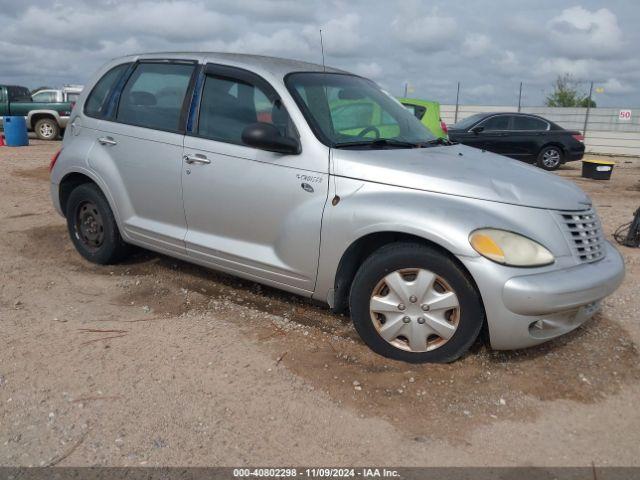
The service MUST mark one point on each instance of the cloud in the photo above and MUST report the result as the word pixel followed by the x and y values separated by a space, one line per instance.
pixel 578 32
pixel 425 32
pixel 370 70
pixel 432 44
pixel 476 45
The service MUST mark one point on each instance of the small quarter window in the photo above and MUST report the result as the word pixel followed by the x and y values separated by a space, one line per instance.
pixel 96 104
pixel 154 95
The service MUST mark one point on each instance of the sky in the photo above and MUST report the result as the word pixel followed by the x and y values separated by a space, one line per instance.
pixel 487 46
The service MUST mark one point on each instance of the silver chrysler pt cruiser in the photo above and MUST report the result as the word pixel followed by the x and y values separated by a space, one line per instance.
pixel 318 182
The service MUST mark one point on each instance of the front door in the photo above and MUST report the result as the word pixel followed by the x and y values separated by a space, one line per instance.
pixel 251 212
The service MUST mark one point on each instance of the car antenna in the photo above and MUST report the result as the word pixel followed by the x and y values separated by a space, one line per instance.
pixel 324 69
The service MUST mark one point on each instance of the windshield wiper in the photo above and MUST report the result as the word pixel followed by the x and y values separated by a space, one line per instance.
pixel 440 141
pixel 379 143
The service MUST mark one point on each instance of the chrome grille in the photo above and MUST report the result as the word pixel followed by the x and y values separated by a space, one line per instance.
pixel 584 233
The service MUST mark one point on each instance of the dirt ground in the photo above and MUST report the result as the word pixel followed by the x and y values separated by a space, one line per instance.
pixel 158 362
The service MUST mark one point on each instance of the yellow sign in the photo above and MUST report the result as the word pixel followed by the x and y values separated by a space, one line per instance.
pixel 599 89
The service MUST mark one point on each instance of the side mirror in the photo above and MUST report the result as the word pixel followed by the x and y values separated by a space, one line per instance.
pixel 477 129
pixel 266 136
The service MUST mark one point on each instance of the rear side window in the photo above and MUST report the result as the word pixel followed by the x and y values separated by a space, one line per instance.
pixel 417 110
pixel 496 123
pixel 96 104
pixel 229 105
pixel 529 123
pixel 19 94
pixel 154 95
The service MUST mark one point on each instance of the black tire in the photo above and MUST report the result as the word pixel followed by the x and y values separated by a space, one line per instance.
pixel 550 158
pixel 47 129
pixel 92 226
pixel 406 255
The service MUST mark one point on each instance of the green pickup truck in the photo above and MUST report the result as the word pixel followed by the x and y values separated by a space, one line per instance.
pixel 47 120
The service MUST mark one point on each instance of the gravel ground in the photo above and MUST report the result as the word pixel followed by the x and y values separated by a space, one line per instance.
pixel 158 362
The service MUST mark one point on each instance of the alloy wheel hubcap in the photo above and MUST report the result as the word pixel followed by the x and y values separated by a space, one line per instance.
pixel 551 158
pixel 89 225
pixel 46 130
pixel 430 312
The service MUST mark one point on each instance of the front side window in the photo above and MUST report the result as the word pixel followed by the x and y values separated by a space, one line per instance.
pixel 529 123
pixel 345 110
pixel 501 122
pixel 45 97
pixel 154 94
pixel 229 105
pixel 96 104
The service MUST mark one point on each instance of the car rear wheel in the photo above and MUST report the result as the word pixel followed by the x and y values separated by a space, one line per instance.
pixel 47 129
pixel 412 303
pixel 92 226
pixel 550 158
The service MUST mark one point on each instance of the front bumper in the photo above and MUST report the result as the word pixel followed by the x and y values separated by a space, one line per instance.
pixel 526 310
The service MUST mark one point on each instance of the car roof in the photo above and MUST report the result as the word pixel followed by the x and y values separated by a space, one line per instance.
pixel 417 101
pixel 258 63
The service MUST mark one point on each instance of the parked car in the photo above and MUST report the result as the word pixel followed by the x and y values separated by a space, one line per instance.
pixel 522 136
pixel 68 93
pixel 423 242
pixel 44 118
pixel 428 112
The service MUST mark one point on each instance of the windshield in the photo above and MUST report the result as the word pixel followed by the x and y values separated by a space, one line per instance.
pixel 467 122
pixel 349 111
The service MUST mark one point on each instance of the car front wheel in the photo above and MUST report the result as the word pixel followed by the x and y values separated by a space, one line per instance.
pixel 550 158
pixel 412 303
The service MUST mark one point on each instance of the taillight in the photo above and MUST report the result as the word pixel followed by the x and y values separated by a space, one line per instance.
pixel 444 127
pixel 579 137
pixel 54 159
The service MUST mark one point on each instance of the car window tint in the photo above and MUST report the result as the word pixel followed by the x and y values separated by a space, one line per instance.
pixel 228 106
pixel 95 105
pixel 501 122
pixel 529 123
pixel 153 96
pixel 45 97
pixel 19 94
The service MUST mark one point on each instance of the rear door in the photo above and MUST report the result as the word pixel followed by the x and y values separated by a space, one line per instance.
pixel 139 150
pixel 250 212
pixel 526 136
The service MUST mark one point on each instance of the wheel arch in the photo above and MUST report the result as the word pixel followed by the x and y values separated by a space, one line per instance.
pixel 35 115
pixel 553 143
pixel 364 246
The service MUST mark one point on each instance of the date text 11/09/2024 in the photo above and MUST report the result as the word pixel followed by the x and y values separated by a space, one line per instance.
pixel 315 472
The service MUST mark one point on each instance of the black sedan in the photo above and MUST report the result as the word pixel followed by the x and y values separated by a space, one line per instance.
pixel 522 136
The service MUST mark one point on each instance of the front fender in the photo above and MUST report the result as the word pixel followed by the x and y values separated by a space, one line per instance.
pixel 445 220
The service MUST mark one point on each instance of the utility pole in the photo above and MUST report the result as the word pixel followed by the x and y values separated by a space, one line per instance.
pixel 455 119
pixel 406 89
pixel 520 98
pixel 586 116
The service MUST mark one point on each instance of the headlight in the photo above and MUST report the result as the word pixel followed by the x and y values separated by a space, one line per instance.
pixel 509 248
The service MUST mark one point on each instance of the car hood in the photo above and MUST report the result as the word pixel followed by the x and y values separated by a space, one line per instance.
pixel 462 171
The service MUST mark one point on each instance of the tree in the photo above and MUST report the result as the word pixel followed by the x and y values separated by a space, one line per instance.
pixel 566 94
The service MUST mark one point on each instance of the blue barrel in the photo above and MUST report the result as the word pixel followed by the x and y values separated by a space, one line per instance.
pixel 15 132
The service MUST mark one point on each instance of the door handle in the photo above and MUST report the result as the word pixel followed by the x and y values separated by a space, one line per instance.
pixel 196 158
pixel 107 141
